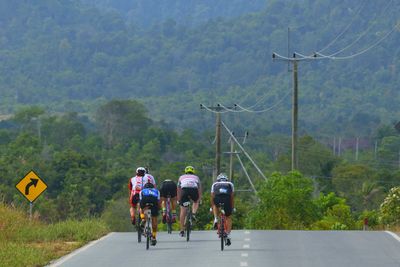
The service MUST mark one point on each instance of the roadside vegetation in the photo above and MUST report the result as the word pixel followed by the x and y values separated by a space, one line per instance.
pixel 25 242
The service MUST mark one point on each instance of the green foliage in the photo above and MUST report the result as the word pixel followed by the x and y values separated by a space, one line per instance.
pixel 348 181
pixel 390 208
pixel 25 242
pixel 337 217
pixel 285 203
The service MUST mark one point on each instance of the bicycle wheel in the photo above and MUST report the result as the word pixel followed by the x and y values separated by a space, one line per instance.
pixel 148 234
pixel 169 224
pixel 188 224
pixel 169 218
pixel 138 228
pixel 222 233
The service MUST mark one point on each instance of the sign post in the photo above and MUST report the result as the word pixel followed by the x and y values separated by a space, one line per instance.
pixel 31 187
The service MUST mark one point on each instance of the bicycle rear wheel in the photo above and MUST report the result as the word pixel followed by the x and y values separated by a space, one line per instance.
pixel 222 233
pixel 169 218
pixel 169 224
pixel 148 234
pixel 138 228
pixel 188 224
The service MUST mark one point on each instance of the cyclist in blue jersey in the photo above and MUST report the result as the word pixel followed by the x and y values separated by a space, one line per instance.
pixel 150 195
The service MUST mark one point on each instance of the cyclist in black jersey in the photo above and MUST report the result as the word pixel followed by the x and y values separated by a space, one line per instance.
pixel 222 192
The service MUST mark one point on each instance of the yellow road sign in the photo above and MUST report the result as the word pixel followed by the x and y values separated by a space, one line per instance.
pixel 31 186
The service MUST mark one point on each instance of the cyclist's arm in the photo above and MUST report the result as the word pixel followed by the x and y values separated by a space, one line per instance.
pixel 212 200
pixel 232 202
pixel 130 187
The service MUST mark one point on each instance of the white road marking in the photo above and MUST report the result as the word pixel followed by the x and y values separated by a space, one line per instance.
pixel 243 264
pixel 75 252
pixel 394 235
pixel 247 232
pixel 245 254
pixel 246 246
pixel 247 239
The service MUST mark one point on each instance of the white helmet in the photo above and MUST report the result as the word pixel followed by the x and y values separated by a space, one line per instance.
pixel 222 177
pixel 141 171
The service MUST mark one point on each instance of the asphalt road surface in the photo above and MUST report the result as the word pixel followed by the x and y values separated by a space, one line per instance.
pixel 249 248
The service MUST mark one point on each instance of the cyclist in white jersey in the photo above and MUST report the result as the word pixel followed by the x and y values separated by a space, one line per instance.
pixel 189 188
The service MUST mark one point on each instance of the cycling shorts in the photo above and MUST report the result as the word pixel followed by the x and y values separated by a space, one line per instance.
pixel 189 193
pixel 150 200
pixel 168 188
pixel 226 199
pixel 134 200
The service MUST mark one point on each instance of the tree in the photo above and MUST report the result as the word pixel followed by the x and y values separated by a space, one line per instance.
pixel 121 121
pixel 285 203
pixel 390 208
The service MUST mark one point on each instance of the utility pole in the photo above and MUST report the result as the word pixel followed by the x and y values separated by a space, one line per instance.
pixel 293 60
pixel 217 110
pixel 232 152
pixel 357 140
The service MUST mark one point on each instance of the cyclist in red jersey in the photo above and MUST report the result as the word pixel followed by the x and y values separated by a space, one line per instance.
pixel 135 185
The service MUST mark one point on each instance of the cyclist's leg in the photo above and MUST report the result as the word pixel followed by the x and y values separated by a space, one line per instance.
pixel 154 222
pixel 173 208
pixel 183 209
pixel 134 200
pixel 196 201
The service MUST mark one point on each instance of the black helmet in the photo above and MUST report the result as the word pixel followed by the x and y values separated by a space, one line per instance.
pixel 149 185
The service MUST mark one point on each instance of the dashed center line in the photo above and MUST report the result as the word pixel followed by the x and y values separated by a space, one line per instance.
pixel 247 232
pixel 247 239
pixel 243 264
pixel 245 254
pixel 246 246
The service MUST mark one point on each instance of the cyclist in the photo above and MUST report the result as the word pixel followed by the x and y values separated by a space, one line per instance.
pixel 188 186
pixel 150 195
pixel 222 192
pixel 135 185
pixel 168 189
pixel 148 175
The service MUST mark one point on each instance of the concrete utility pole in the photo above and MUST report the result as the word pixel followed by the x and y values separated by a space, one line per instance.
pixel 217 109
pixel 232 152
pixel 293 60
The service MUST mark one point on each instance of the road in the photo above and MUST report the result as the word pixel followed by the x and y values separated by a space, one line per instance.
pixel 249 248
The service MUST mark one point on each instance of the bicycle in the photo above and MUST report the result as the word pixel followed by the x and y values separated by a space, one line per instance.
pixel 189 219
pixel 148 226
pixel 222 226
pixel 168 215
pixel 138 222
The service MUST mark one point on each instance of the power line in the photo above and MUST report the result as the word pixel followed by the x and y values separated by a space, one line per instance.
pixel 361 35
pixel 244 151
pixel 397 25
pixel 347 27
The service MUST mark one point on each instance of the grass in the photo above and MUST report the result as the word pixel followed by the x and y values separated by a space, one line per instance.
pixel 25 242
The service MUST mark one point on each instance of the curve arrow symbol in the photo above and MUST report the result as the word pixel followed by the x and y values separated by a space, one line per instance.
pixel 33 182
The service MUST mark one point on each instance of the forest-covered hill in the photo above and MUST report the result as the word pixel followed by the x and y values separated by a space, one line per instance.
pixel 68 55
pixel 147 13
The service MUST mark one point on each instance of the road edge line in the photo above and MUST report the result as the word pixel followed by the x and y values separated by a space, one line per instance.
pixel 394 235
pixel 64 258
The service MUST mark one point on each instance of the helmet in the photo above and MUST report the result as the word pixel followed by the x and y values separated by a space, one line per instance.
pixel 222 177
pixel 148 185
pixel 189 169
pixel 140 171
